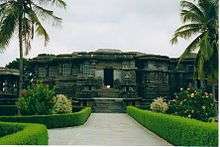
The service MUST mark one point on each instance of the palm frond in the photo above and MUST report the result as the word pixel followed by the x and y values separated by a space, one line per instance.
pixel 185 34
pixel 188 26
pixel 59 3
pixel 191 7
pixel 190 16
pixel 191 47
pixel 5 1
pixel 40 30
pixel 4 7
pixel 46 14
pixel 8 24
pixel 207 5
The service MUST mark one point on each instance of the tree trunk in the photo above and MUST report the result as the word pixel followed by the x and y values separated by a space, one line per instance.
pixel 21 55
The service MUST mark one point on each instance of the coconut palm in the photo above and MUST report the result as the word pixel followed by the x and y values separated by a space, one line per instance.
pixel 200 19
pixel 24 17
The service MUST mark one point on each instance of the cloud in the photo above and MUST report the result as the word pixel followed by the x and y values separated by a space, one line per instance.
pixel 131 25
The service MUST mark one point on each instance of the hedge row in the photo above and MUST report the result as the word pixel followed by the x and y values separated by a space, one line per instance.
pixel 23 134
pixel 53 121
pixel 8 110
pixel 175 129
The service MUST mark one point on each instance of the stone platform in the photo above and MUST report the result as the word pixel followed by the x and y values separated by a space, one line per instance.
pixel 108 105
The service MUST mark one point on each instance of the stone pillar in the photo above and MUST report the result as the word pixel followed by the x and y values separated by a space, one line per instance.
pixel 117 75
pixel 202 84
pixel 195 84
pixel 1 86
pixel 181 80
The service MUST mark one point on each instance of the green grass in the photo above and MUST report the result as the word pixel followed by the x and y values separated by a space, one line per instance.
pixel 53 121
pixel 23 134
pixel 175 129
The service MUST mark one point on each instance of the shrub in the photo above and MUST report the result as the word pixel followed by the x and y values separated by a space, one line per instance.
pixel 159 105
pixel 53 121
pixel 177 130
pixel 62 104
pixel 37 100
pixel 193 104
pixel 23 134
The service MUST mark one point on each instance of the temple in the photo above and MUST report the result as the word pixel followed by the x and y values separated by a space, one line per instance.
pixel 131 77
pixel 108 79
pixel 8 85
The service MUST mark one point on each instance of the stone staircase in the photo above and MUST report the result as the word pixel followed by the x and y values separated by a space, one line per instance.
pixel 108 105
pixel 108 93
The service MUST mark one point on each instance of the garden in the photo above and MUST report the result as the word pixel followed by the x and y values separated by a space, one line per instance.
pixel 40 109
pixel 190 118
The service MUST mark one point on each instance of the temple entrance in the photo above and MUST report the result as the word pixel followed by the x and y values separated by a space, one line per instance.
pixel 108 77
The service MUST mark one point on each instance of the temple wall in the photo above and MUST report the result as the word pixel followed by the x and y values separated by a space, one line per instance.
pixel 148 76
pixel 117 75
pixel 99 73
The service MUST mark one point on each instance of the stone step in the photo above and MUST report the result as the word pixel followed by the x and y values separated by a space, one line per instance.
pixel 108 92
pixel 108 105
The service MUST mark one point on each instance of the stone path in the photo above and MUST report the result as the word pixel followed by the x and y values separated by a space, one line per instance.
pixel 106 129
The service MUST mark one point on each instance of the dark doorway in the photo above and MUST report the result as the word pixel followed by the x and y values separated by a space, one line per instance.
pixel 108 77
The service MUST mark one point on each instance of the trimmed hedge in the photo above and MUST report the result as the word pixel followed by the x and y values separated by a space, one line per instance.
pixel 23 134
pixel 53 121
pixel 175 129
pixel 8 110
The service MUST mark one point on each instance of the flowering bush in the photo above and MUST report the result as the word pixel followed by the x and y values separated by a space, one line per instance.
pixel 159 105
pixel 37 99
pixel 193 104
pixel 62 104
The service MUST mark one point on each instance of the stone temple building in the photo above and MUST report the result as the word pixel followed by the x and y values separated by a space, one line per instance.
pixel 8 85
pixel 112 76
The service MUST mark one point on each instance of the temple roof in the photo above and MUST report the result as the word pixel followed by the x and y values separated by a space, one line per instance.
pixel 109 50
pixel 106 54
pixel 9 72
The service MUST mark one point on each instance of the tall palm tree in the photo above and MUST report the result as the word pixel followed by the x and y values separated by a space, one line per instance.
pixel 24 17
pixel 200 19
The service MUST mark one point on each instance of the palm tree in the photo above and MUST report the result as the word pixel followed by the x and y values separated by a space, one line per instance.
pixel 200 19
pixel 24 17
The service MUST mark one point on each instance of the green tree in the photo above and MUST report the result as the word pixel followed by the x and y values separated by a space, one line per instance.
pixel 200 19
pixel 37 99
pixel 28 75
pixel 24 17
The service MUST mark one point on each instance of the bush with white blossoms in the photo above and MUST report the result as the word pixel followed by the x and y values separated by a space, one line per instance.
pixel 62 104
pixel 193 103
pixel 159 105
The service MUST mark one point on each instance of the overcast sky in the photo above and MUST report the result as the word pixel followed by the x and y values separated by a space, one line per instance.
pixel 130 25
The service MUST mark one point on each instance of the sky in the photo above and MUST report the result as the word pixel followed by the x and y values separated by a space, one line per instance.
pixel 129 25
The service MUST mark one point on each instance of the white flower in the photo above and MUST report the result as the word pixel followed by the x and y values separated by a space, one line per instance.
pixel 189 116
pixel 188 88
pixel 192 111
pixel 203 107
pixel 192 95
pixel 181 89
pixel 159 105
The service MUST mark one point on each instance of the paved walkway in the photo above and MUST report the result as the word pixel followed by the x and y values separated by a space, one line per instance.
pixel 106 129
